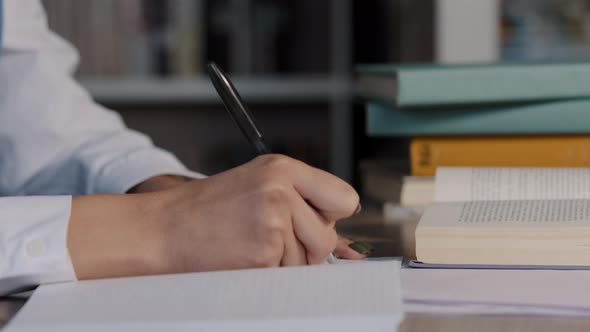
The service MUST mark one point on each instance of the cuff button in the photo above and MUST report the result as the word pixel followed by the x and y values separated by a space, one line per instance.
pixel 36 248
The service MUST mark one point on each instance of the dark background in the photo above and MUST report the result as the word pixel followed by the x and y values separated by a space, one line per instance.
pixel 293 62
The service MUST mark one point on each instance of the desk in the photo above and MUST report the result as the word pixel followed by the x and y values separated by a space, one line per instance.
pixel 388 241
pixel 396 239
pixel 420 322
pixel 425 323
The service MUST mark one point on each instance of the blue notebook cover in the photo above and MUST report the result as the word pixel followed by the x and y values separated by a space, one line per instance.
pixel 557 117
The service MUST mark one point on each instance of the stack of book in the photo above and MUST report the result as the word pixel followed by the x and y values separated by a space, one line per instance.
pixel 492 115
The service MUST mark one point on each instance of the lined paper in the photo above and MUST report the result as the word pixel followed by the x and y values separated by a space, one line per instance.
pixel 335 297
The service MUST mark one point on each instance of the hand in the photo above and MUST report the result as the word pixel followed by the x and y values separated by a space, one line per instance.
pixel 162 182
pixel 257 215
pixel 344 251
pixel 157 183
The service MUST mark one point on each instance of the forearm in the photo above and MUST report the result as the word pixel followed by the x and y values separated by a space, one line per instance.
pixel 114 236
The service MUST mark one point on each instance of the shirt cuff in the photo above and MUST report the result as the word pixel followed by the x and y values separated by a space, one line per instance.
pixel 33 242
pixel 124 173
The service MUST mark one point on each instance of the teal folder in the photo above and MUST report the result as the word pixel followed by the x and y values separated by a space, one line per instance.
pixel 427 85
pixel 557 117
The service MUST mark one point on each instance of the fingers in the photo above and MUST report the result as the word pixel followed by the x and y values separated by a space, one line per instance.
pixel 344 251
pixel 316 199
pixel 294 253
pixel 312 231
pixel 333 198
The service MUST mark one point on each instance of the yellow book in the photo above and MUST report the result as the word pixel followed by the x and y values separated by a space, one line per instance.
pixel 428 153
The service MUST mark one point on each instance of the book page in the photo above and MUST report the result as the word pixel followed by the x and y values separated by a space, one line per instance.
pixel 331 297
pixel 457 184
pixel 457 291
pixel 507 213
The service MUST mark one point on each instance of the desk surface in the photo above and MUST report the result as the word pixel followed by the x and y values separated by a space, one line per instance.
pixel 389 240
pixel 425 323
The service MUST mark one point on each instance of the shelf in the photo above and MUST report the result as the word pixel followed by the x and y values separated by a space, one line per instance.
pixel 298 89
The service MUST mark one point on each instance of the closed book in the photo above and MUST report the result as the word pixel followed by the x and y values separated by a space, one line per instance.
pixel 425 85
pixel 557 117
pixel 428 153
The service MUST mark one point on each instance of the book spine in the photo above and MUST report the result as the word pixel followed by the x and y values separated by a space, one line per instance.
pixel 419 86
pixel 451 33
pixel 428 153
pixel 492 84
pixel 562 117
pixel 186 31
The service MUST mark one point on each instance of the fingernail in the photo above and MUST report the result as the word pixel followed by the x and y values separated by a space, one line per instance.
pixel 362 248
pixel 358 209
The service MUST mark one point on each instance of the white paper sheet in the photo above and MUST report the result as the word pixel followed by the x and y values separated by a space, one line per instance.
pixel 456 184
pixel 340 297
pixel 463 291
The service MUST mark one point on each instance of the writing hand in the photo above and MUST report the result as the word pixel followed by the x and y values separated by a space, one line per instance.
pixel 255 215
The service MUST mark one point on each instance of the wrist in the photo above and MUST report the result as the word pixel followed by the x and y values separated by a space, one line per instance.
pixel 157 183
pixel 113 236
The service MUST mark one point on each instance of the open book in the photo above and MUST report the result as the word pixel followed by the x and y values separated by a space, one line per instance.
pixel 332 297
pixel 507 216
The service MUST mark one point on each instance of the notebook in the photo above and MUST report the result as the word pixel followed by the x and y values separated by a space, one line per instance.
pixel 363 296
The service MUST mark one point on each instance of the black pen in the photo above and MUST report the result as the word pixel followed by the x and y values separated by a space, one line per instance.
pixel 236 108
pixel 241 116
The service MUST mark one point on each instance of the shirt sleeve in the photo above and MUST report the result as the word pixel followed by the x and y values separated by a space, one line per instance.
pixel 33 246
pixel 55 141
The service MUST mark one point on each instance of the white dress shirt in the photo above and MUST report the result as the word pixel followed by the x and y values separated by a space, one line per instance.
pixel 54 142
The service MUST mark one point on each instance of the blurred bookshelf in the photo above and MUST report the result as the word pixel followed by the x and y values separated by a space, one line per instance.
pixel 292 61
pixel 511 30
pixel 257 89
pixel 544 30
pixel 146 59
